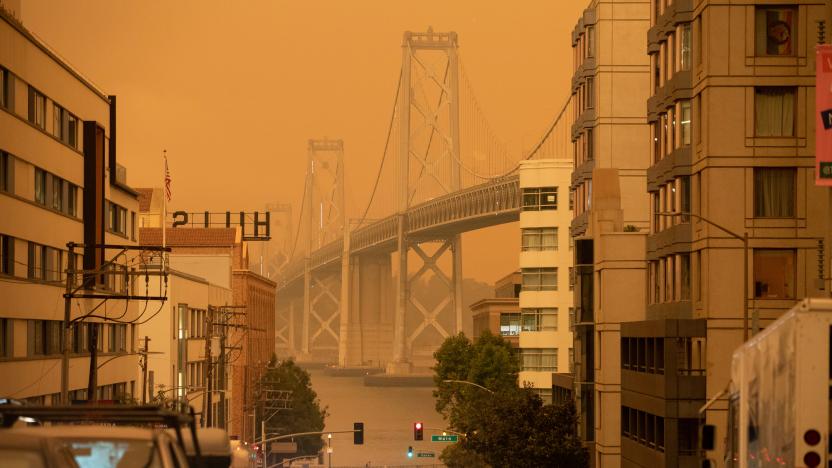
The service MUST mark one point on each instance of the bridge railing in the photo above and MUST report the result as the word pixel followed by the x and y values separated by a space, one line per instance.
pixel 496 197
pixel 489 199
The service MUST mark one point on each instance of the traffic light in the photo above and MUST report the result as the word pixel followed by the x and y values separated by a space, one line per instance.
pixel 410 452
pixel 358 435
pixel 418 431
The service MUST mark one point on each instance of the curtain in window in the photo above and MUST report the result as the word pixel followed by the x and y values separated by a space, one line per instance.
pixel 774 192
pixel 774 112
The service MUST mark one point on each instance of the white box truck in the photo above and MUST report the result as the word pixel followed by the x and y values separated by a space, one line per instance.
pixel 781 382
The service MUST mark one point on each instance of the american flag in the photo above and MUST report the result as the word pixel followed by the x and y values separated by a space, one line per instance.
pixel 167 178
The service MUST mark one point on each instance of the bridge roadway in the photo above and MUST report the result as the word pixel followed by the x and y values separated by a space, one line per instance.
pixel 488 204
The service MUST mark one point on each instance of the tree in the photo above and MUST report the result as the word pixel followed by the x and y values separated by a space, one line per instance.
pixel 517 429
pixel 304 413
pixel 489 362
pixel 504 425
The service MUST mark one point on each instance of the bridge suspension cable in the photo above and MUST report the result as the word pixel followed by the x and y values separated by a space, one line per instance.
pixel 384 153
pixel 300 219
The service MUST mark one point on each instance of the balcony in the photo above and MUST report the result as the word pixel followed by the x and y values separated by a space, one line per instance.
pixel 680 11
pixel 673 240
pixel 674 165
pixel 674 89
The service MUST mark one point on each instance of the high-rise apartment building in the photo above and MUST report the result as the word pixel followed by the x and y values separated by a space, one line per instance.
pixel 545 266
pixel 732 143
pixel 59 183
pixel 610 86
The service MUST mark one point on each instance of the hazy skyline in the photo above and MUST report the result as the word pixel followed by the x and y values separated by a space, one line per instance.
pixel 234 91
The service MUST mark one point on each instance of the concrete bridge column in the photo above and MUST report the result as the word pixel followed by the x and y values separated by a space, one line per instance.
pixel 401 362
pixel 372 312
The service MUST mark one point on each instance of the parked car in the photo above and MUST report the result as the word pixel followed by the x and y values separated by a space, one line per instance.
pixel 99 446
pixel 120 436
pixel 33 451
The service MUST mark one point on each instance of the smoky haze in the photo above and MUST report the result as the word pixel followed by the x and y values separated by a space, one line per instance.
pixel 233 90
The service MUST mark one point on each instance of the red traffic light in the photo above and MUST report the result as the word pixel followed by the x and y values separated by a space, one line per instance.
pixel 418 432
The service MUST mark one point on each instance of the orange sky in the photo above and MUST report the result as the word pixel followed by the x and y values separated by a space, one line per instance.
pixel 233 90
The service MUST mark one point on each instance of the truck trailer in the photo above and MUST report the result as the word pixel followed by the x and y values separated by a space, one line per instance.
pixel 781 382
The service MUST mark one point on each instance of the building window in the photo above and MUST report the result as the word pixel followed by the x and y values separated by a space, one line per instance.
pixel 6 255
pixel 644 355
pixel 774 192
pixel 775 30
pixel 37 108
pixel 774 273
pixel 65 126
pixel 6 330
pixel 72 200
pixel 37 261
pixel 589 99
pixel 5 88
pixel 509 324
pixel 590 41
pixel 540 279
pixel 571 318
pixel 537 359
pixel 690 356
pixel 57 193
pixel 688 437
pixel 544 319
pixel 545 198
pixel 684 47
pixel 540 239
pixel 117 338
pixel 643 428
pixel 684 276
pixel 684 122
pixel 590 145
pixel 40 186
pixel 79 338
pixel 774 109
pixel 44 337
pixel 6 172
pixel 116 219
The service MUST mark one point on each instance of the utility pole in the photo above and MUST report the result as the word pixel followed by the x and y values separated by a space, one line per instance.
pixel 208 420
pixel 144 352
pixel 70 278
pixel 92 383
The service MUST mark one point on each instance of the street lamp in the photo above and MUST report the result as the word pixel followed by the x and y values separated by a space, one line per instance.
pixel 465 382
pixel 744 239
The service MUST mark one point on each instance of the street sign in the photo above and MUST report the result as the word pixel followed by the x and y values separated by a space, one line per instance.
pixel 284 447
pixel 444 438
pixel 425 455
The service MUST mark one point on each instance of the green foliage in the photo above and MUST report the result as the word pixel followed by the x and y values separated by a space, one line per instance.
pixel 304 414
pixel 505 425
pixel 456 456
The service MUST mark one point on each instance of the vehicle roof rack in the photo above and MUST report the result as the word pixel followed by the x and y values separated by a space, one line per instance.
pixel 112 414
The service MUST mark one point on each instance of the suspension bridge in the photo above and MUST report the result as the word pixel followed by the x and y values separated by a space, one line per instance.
pixel 349 293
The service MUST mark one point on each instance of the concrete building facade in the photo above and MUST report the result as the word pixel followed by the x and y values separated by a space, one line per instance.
pixel 219 256
pixel 545 268
pixel 179 365
pixel 732 143
pixel 59 183
pixel 501 314
pixel 610 86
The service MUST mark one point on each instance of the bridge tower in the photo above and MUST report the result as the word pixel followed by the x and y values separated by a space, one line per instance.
pixel 325 222
pixel 428 166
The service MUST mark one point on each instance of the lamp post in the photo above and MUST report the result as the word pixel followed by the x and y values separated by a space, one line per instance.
pixel 744 239
pixel 465 382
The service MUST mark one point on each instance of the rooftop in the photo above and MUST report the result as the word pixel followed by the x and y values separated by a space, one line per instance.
pixel 190 237
pixel 145 196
